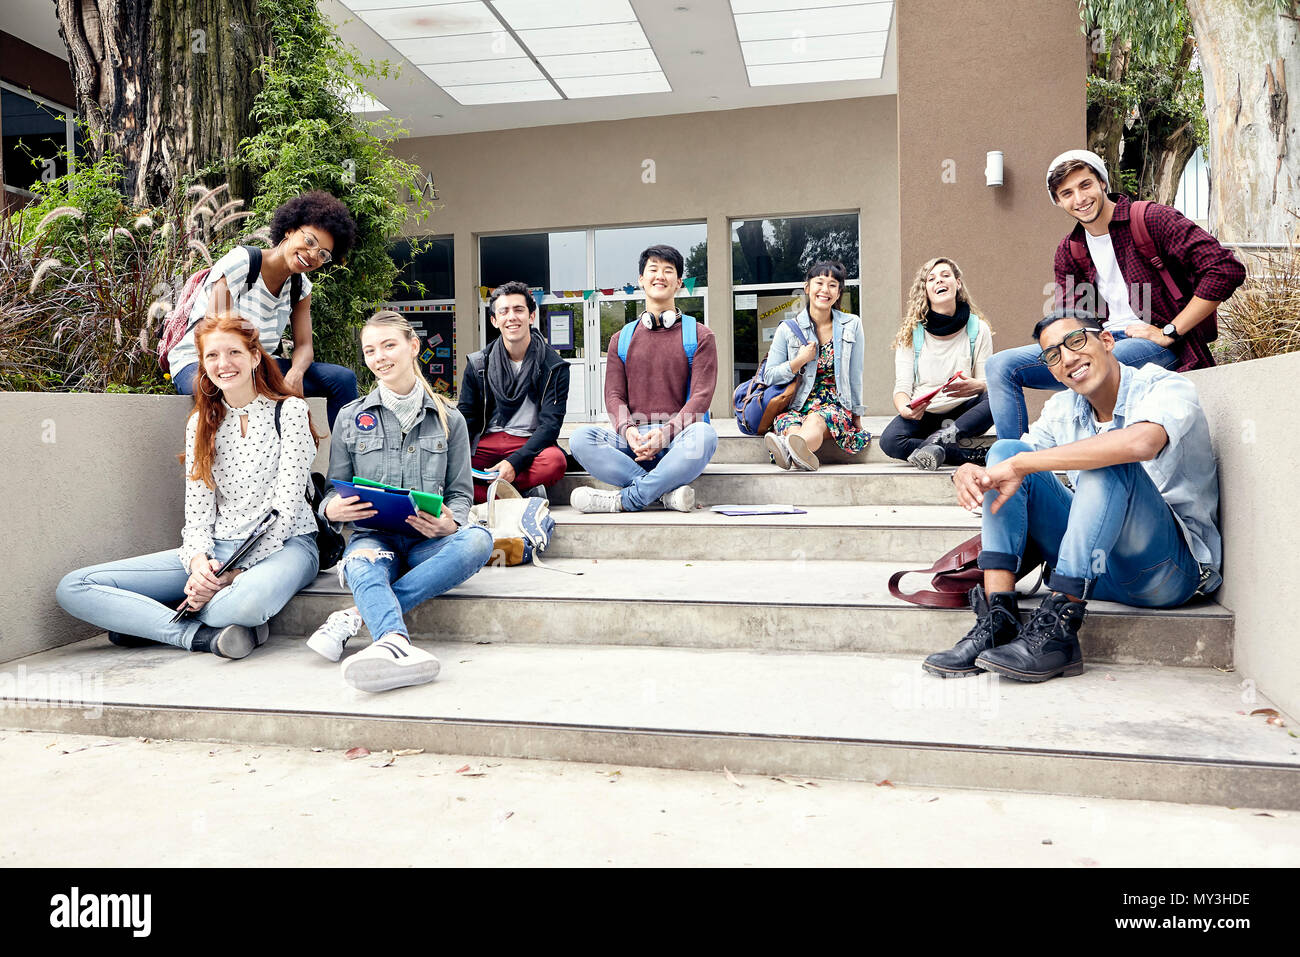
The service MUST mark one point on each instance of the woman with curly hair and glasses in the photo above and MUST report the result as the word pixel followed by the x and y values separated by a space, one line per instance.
pixel 307 232
pixel 941 335
pixel 241 461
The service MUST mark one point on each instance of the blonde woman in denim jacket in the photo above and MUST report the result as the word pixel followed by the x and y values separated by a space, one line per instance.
pixel 402 434
pixel 827 402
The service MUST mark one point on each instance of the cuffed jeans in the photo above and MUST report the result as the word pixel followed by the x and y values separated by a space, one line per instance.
pixel 1113 538
pixel 610 459
pixel 1011 371
pixel 138 596
pixel 337 385
pixel 433 566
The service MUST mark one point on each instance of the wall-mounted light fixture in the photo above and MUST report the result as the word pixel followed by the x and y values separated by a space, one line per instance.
pixel 993 168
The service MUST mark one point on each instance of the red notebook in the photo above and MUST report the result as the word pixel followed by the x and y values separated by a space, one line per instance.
pixel 922 399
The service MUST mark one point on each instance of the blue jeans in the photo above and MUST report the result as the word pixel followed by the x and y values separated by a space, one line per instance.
pixel 433 566
pixel 335 384
pixel 608 457
pixel 1113 538
pixel 138 596
pixel 1011 371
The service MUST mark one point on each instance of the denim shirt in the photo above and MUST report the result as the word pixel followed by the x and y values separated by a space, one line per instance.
pixel 847 339
pixel 368 443
pixel 1184 471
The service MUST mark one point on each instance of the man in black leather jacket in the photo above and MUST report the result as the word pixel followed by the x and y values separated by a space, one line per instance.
pixel 513 397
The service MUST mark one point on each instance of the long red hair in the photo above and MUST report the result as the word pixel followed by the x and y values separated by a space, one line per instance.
pixel 268 380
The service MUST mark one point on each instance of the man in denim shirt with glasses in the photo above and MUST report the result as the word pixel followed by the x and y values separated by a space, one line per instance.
pixel 1140 526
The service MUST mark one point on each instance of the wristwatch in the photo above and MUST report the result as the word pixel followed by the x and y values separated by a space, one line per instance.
pixel 1171 331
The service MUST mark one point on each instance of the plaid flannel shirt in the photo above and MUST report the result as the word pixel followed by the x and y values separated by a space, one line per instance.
pixel 1198 263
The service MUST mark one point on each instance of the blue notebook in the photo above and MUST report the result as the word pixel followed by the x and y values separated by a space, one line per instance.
pixel 394 505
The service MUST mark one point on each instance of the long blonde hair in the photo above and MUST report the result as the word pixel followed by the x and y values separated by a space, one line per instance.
pixel 918 300
pixel 387 319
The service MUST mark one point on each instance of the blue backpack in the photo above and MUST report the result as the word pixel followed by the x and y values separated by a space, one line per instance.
pixel 690 342
pixel 756 403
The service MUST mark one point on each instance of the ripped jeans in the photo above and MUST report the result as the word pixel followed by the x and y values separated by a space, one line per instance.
pixel 432 565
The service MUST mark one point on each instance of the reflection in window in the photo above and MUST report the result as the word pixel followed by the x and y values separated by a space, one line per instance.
pixel 434 268
pixel 34 135
pixel 618 252
pixel 545 260
pixel 781 250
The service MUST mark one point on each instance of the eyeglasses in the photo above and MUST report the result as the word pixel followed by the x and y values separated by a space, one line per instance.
pixel 1073 341
pixel 314 248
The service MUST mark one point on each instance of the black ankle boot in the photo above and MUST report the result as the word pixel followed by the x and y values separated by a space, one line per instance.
pixel 232 641
pixel 977 454
pixel 996 624
pixel 1048 646
pixel 128 641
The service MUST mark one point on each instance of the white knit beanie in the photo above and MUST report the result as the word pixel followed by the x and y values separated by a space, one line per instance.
pixel 1084 156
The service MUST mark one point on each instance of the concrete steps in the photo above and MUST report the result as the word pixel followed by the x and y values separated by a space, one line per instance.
pixel 788 606
pixel 1129 731
pixel 767 645
pixel 908 533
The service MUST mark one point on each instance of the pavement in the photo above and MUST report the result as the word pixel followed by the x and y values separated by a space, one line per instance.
pixel 86 801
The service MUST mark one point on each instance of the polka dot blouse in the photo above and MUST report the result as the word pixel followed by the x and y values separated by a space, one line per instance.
pixel 254 473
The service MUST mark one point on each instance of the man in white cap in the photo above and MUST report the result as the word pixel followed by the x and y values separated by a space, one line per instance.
pixel 1108 265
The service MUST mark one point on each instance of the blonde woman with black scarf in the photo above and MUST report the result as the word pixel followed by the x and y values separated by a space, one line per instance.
pixel 940 431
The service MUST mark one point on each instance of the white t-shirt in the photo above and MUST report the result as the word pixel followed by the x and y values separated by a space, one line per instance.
pixel 1110 282
pixel 269 313
pixel 940 358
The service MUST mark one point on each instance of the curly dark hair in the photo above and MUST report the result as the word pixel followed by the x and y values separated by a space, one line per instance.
pixel 321 210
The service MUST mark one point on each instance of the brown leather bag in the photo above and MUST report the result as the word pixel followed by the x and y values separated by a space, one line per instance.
pixel 956 573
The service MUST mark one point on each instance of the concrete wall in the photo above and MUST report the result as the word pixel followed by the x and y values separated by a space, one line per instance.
pixel 771 161
pixel 975 76
pixel 91 478
pixel 1259 515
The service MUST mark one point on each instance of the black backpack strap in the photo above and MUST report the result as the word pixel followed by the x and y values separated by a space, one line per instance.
pixel 278 407
pixel 254 266
pixel 295 289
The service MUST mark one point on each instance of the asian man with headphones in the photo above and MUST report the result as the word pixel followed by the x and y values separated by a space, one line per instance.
pixel 659 379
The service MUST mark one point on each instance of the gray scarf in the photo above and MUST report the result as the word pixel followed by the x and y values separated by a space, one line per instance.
pixel 408 408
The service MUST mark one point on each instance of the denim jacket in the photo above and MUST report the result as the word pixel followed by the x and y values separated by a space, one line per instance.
pixel 368 443
pixel 847 339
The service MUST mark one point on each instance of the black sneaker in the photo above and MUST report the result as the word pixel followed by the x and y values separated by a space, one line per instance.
pixel 1048 646
pixel 996 624
pixel 977 454
pixel 232 641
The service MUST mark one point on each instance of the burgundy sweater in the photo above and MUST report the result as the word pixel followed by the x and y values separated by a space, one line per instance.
pixel 652 388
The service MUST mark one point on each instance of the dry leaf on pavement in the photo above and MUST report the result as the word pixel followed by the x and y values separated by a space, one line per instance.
pixel 407 752
pixel 1272 712
pixel 353 753
pixel 731 777
pixel 796 782
pixel 383 764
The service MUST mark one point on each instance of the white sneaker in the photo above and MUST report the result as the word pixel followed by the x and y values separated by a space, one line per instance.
pixel 780 451
pixel 803 457
pixel 679 499
pixel 392 662
pixel 330 637
pixel 586 499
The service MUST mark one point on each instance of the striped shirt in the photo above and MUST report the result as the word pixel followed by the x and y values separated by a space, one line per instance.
pixel 269 313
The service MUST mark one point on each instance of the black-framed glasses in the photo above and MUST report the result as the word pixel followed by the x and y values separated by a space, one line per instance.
pixel 313 247
pixel 1074 341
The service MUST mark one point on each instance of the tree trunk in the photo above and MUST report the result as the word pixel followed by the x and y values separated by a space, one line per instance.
pixel 167 85
pixel 1248 52
pixel 1105 125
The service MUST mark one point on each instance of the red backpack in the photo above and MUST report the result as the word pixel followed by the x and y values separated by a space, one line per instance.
pixel 176 325
pixel 1206 331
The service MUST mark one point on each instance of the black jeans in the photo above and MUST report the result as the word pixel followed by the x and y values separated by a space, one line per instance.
pixel 972 418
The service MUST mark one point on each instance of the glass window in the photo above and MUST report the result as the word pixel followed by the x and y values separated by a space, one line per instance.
pixel 539 260
pixel 34 135
pixel 781 250
pixel 618 252
pixel 434 269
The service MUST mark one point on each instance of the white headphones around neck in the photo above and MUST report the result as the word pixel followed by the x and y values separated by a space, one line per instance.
pixel 664 320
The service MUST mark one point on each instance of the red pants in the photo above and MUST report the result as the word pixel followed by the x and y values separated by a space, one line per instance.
pixel 546 469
